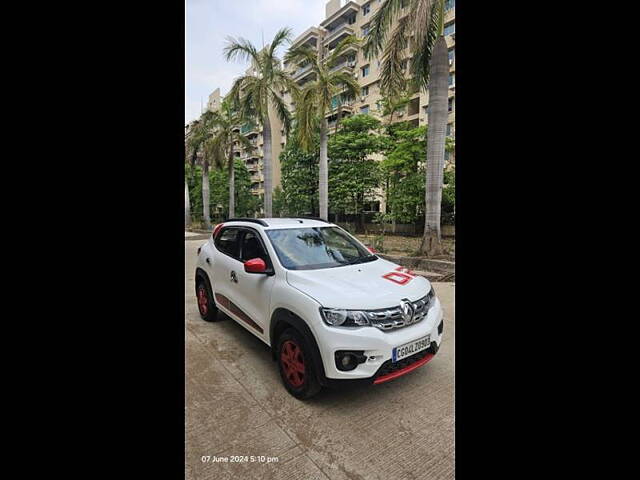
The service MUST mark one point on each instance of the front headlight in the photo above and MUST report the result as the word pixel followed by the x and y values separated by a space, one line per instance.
pixel 384 318
pixel 344 318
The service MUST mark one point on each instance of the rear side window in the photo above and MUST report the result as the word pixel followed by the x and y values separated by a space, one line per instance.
pixel 227 241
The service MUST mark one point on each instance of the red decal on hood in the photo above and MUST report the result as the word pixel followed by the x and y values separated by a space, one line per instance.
pixel 401 276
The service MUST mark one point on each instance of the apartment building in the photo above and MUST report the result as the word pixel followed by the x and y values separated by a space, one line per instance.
pixel 215 100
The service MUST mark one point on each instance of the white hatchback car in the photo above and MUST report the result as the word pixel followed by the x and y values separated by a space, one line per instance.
pixel 330 309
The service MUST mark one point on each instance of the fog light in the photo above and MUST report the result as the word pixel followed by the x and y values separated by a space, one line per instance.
pixel 349 360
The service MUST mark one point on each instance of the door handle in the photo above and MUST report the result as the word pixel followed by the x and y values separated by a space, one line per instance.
pixel 234 277
pixel 208 261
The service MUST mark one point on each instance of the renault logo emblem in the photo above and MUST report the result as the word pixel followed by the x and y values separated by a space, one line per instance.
pixel 406 307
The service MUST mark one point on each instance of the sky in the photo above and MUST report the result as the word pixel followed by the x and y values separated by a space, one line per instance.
pixel 209 22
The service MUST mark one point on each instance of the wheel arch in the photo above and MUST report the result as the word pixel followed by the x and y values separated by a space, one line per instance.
pixel 281 319
pixel 202 275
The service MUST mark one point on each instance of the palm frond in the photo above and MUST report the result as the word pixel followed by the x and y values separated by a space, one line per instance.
pixel 282 111
pixel 425 38
pixel 392 76
pixel 380 25
pixel 283 35
pixel 240 49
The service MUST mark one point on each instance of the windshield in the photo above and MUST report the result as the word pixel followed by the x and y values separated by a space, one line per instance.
pixel 320 247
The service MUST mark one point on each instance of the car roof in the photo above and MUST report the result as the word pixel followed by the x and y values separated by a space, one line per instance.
pixel 279 222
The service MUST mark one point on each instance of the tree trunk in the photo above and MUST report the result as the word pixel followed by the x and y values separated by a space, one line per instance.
pixel 267 167
pixel 323 173
pixel 205 195
pixel 437 125
pixel 232 181
pixel 187 206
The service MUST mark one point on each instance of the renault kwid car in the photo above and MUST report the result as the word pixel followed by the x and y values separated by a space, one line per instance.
pixel 332 311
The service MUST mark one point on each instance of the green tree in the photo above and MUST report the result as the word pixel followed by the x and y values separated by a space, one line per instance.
pixel 255 94
pixel 449 198
pixel 354 176
pixel 226 134
pixel 403 169
pixel 313 102
pixel 246 204
pixel 391 28
pixel 199 144
pixel 299 173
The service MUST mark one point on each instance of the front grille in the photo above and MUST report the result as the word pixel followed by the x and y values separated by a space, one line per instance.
pixel 391 318
pixel 390 367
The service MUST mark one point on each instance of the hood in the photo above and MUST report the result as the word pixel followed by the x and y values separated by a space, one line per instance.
pixel 360 286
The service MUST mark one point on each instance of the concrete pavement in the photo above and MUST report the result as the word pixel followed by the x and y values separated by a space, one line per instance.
pixel 238 410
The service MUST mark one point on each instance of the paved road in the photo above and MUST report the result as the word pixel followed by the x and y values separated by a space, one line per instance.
pixel 237 406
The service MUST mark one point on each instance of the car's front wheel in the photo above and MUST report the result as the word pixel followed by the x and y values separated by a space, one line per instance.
pixel 206 304
pixel 296 365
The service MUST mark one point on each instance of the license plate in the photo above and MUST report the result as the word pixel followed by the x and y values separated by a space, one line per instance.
pixel 408 349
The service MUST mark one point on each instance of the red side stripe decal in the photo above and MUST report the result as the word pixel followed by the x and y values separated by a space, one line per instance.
pixel 233 308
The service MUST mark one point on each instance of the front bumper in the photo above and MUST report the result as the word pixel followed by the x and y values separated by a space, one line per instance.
pixel 379 345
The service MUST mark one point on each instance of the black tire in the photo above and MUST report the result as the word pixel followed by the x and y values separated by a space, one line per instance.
pixel 301 385
pixel 206 306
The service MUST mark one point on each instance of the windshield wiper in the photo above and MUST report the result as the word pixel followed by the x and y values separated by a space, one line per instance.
pixel 368 258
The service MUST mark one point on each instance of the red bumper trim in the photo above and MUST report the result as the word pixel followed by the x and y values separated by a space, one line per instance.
pixel 399 373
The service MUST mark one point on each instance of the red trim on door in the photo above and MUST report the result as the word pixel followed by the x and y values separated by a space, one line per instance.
pixel 403 371
pixel 233 308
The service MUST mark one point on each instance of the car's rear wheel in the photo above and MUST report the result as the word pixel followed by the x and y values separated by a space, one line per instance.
pixel 206 304
pixel 296 365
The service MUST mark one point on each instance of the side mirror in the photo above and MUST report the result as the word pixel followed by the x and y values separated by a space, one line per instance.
pixel 255 265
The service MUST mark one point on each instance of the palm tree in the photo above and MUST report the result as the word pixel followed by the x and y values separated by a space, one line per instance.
pixel 187 203
pixel 199 143
pixel 253 95
pixel 226 135
pixel 314 101
pixel 422 21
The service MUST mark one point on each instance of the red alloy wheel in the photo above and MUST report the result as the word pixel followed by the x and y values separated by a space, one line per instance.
pixel 292 361
pixel 203 300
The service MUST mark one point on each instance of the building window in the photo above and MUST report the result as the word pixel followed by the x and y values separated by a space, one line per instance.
pixel 446 156
pixel 365 70
pixel 450 28
pixel 450 105
pixel 365 30
pixel 403 3
pixel 365 91
pixel 452 79
pixel 351 20
pixel 452 55
pixel 364 109
pixel 449 125
pixel 366 9
pixel 449 4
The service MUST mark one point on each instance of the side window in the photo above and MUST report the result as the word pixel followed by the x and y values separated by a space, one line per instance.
pixel 227 241
pixel 252 248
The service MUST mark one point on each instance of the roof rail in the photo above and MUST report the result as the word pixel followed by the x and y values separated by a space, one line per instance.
pixel 314 218
pixel 252 220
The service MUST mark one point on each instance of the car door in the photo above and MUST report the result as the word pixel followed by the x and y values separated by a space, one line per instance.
pixel 253 289
pixel 226 260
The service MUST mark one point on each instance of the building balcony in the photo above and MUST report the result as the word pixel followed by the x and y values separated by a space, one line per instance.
pixel 309 37
pixel 249 128
pixel 303 74
pixel 335 36
pixel 343 14
pixel 347 65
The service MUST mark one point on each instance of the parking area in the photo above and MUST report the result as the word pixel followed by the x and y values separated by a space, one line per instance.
pixel 242 423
